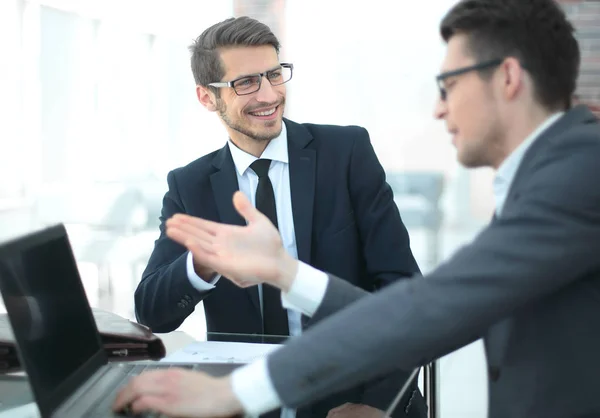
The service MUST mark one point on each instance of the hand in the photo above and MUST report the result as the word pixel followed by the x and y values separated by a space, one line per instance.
pixel 179 393
pixel 246 255
pixel 205 273
pixel 352 410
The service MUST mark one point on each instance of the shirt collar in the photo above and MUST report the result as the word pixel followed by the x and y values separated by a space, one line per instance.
pixel 276 150
pixel 508 169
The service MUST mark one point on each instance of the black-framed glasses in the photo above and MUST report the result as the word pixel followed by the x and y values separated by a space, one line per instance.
pixel 249 84
pixel 440 79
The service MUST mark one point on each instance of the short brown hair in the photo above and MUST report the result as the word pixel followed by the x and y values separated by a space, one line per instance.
pixel 536 32
pixel 241 31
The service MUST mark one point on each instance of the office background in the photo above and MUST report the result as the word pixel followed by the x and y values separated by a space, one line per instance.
pixel 97 104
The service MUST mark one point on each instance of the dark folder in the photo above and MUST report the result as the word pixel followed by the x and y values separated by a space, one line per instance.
pixel 122 339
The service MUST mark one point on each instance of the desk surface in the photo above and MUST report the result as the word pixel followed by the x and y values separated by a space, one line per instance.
pixel 175 340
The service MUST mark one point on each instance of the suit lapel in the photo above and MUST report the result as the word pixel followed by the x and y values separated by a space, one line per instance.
pixel 497 337
pixel 576 116
pixel 224 184
pixel 302 184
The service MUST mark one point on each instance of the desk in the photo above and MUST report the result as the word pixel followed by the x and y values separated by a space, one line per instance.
pixel 175 340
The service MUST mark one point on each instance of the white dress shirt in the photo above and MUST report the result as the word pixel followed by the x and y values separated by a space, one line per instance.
pixel 252 384
pixel 508 169
pixel 279 174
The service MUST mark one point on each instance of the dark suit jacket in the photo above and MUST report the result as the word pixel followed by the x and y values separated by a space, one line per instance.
pixel 345 222
pixel 529 284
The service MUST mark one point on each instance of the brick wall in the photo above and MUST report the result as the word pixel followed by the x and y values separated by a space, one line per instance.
pixel 585 15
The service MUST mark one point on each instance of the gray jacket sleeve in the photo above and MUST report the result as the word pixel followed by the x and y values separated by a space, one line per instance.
pixel 547 241
pixel 339 295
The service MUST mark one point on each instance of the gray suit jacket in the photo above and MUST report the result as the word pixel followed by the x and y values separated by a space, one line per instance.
pixel 529 284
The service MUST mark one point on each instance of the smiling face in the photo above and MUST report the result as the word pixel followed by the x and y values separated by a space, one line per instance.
pixel 254 117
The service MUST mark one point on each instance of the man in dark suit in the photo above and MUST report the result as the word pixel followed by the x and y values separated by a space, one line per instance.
pixel 529 284
pixel 322 185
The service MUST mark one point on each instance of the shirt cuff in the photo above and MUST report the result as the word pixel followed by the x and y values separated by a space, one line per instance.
pixel 254 389
pixel 307 291
pixel 196 280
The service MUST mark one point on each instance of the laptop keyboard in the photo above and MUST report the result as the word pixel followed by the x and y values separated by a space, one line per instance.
pixel 102 408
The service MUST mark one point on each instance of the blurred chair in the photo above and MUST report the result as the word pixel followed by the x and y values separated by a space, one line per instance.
pixel 153 193
pixel 417 196
pixel 97 217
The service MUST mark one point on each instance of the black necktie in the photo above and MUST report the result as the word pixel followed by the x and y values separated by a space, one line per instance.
pixel 275 319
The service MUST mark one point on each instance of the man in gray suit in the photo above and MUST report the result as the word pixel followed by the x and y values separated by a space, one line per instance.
pixel 529 283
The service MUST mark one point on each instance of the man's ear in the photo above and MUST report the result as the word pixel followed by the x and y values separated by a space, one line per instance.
pixel 512 78
pixel 206 98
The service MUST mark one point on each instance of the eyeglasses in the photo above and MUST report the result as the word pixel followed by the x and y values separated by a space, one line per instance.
pixel 249 84
pixel 477 67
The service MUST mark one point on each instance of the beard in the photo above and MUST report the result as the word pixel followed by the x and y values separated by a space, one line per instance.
pixel 244 127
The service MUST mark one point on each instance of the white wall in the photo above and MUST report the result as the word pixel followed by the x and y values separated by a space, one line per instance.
pixel 373 63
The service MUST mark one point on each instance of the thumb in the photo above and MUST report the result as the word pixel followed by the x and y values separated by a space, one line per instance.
pixel 245 208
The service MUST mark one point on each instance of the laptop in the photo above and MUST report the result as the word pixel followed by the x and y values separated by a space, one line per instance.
pixel 58 342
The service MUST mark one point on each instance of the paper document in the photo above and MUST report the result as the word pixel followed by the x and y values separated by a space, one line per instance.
pixel 220 352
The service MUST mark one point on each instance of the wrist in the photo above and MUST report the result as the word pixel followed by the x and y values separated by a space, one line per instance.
pixel 286 273
pixel 233 406
pixel 204 273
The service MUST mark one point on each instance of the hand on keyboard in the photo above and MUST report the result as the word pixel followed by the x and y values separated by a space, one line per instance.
pixel 178 392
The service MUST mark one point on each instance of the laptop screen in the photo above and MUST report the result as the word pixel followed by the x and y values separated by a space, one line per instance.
pixel 50 315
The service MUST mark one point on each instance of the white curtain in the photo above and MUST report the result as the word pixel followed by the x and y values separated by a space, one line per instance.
pixel 99 91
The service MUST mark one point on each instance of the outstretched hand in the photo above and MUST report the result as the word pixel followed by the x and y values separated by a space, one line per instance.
pixel 246 255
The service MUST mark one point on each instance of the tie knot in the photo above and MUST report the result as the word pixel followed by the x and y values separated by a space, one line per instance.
pixel 261 167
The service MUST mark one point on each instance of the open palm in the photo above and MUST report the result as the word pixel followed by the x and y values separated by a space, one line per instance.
pixel 247 255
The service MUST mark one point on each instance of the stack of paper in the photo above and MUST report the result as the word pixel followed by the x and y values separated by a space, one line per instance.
pixel 220 352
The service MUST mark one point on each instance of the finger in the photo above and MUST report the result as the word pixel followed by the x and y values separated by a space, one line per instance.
pixel 242 283
pixel 184 236
pixel 204 253
pixel 151 403
pixel 211 227
pixel 197 229
pixel 209 231
pixel 124 397
pixel 183 221
pixel 137 386
pixel 245 208
pixel 197 247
